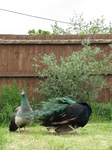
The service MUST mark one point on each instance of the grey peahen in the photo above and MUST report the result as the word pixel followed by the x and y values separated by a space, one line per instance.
pixel 19 119
pixel 63 114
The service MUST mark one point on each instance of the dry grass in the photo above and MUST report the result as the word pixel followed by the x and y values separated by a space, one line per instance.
pixel 96 136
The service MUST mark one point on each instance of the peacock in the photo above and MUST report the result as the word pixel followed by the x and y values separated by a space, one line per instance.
pixel 19 119
pixel 63 114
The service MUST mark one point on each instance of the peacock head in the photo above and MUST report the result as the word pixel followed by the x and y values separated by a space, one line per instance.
pixel 22 92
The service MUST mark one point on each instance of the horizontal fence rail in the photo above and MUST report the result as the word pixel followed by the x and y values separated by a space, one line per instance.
pixel 17 53
pixel 54 42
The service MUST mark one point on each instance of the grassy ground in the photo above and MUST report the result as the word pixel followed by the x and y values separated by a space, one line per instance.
pixel 94 136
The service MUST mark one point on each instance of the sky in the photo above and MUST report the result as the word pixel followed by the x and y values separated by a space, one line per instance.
pixel 60 10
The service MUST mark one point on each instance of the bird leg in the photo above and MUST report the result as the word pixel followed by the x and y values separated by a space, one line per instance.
pixel 74 129
pixel 24 129
pixel 19 130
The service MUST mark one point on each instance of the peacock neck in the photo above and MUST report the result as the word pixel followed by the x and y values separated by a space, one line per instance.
pixel 24 96
pixel 24 100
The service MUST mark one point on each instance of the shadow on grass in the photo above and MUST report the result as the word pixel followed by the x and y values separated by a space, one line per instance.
pixel 44 132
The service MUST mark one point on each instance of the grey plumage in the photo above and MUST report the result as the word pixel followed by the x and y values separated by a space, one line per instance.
pixel 19 119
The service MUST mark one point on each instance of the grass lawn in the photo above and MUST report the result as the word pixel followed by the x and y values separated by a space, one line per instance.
pixel 94 136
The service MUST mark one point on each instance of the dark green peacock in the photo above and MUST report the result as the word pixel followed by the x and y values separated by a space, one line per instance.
pixel 63 114
pixel 19 118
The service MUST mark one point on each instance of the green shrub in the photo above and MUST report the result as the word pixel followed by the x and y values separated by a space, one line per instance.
pixel 39 32
pixel 78 76
pixel 101 112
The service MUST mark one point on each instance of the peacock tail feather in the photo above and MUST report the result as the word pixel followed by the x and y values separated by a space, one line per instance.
pixel 55 105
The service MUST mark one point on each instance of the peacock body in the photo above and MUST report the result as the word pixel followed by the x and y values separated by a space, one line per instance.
pixel 19 119
pixel 64 114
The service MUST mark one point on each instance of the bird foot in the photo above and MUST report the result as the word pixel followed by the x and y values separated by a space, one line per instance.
pixel 48 128
pixel 77 132
pixel 19 130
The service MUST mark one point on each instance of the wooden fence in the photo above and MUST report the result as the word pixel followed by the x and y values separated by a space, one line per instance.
pixel 17 53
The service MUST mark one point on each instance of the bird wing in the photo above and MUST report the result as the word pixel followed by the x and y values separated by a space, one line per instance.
pixel 12 125
pixel 51 110
pixel 64 121
pixel 70 114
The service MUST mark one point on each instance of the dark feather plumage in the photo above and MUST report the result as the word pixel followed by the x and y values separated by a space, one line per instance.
pixel 65 115
pixel 12 124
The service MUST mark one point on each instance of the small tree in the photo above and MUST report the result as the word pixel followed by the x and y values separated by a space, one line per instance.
pixel 79 76
pixel 79 26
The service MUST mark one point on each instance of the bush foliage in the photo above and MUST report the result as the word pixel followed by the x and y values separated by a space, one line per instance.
pixel 101 112
pixel 79 76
